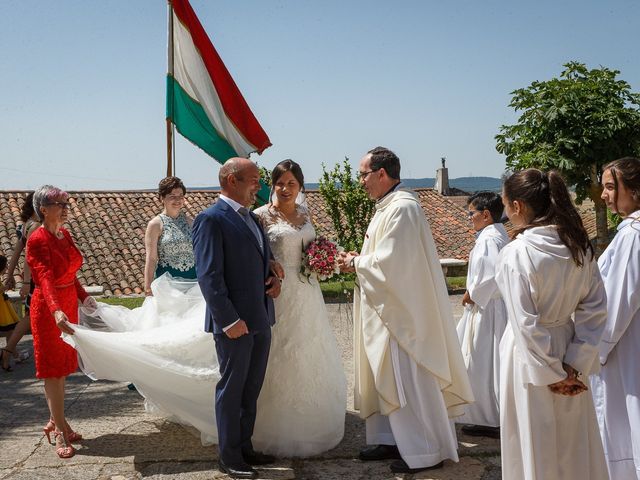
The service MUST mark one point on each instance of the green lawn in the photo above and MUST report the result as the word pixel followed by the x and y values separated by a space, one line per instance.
pixel 456 283
pixel 339 291
pixel 333 292
pixel 129 302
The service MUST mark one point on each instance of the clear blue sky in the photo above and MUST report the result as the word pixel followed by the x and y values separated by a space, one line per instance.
pixel 83 82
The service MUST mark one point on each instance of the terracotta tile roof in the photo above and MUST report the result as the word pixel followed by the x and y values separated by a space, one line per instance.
pixel 460 200
pixel 450 226
pixel 109 226
pixel 586 211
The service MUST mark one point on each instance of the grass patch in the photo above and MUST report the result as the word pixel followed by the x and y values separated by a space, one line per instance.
pixel 129 302
pixel 334 291
pixel 456 283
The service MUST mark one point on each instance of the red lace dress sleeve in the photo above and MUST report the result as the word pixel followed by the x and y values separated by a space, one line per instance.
pixel 54 263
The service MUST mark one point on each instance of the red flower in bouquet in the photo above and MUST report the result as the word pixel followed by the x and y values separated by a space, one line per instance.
pixel 319 259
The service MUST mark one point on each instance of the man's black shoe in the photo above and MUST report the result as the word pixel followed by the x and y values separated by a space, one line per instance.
pixel 257 458
pixel 481 431
pixel 237 471
pixel 379 452
pixel 400 466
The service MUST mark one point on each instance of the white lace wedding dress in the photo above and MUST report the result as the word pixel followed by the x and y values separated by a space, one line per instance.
pixel 162 348
pixel 302 404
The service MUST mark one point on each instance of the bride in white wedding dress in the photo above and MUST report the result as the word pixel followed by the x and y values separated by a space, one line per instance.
pixel 162 348
pixel 303 400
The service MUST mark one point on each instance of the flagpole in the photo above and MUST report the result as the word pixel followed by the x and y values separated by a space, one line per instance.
pixel 170 154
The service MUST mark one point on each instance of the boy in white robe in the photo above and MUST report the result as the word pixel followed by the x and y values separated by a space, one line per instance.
pixel 484 319
pixel 410 376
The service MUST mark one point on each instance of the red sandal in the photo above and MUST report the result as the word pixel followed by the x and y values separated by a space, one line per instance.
pixel 64 449
pixel 72 437
pixel 48 429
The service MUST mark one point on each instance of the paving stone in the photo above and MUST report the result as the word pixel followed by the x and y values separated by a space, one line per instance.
pixel 468 445
pixel 61 472
pixel 124 442
pixel 467 468
pixel 119 471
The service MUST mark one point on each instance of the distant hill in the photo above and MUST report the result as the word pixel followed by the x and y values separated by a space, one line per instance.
pixel 468 184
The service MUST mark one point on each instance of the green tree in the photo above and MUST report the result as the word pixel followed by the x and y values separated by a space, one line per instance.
pixel 576 124
pixel 347 203
pixel 265 175
pixel 264 194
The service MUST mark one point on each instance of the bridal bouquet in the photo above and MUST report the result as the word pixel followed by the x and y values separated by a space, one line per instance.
pixel 320 259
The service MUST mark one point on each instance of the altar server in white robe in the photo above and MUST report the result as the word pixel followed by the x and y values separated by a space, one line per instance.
pixel 484 319
pixel 616 390
pixel 409 373
pixel 556 307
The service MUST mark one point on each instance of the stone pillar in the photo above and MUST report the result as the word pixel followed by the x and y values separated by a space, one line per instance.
pixel 442 180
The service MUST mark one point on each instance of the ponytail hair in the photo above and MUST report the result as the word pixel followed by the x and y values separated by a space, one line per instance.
pixel 547 196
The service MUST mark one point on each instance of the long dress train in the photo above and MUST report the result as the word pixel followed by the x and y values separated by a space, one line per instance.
pixel 162 348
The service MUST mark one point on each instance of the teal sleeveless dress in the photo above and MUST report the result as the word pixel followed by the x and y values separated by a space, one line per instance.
pixel 175 250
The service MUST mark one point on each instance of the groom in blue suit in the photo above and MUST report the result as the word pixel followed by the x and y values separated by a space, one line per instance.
pixel 236 276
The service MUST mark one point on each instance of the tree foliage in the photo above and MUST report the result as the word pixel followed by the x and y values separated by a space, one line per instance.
pixel 264 194
pixel 576 124
pixel 347 203
pixel 265 175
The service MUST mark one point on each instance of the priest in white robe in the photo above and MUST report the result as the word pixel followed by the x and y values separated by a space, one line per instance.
pixel 616 390
pixel 410 378
pixel 484 319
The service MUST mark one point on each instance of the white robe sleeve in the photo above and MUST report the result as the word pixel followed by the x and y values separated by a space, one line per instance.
pixel 622 283
pixel 386 268
pixel 533 340
pixel 589 320
pixel 482 286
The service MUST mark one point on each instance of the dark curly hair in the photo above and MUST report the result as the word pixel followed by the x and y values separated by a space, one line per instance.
pixel 167 184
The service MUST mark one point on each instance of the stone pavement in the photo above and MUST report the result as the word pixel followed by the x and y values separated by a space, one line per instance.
pixel 124 442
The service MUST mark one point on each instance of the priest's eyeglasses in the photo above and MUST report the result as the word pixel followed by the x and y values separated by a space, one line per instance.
pixel 363 175
pixel 471 213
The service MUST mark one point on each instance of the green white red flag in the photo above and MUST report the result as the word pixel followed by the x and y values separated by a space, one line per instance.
pixel 203 101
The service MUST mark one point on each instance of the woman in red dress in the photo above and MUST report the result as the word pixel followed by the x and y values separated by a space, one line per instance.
pixel 54 260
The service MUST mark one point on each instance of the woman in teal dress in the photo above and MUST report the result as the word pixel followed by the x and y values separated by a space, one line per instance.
pixel 168 237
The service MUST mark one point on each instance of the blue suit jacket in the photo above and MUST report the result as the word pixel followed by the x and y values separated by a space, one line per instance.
pixel 232 269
